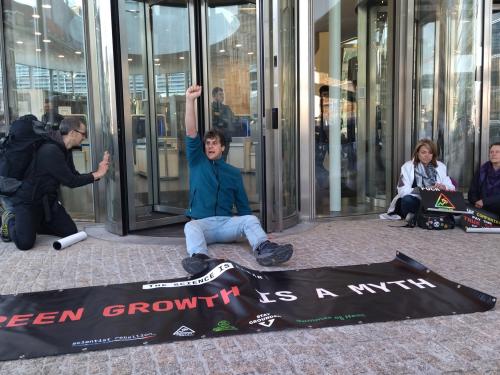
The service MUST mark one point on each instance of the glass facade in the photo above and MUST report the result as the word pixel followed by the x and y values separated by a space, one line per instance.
pixel 495 77
pixel 47 75
pixel 448 92
pixel 48 69
pixel 353 107
pixel 232 87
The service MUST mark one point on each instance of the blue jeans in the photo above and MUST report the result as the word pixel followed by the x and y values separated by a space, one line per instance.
pixel 409 203
pixel 202 232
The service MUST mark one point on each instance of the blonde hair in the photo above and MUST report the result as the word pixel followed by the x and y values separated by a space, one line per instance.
pixel 432 148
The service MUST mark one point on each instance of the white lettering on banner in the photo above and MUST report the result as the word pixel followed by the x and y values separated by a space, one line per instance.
pixel 401 283
pixel 215 273
pixel 420 283
pixel 358 289
pixel 381 287
pixel 283 295
pixel 265 320
pixel 323 292
pixel 264 299
pixel 286 296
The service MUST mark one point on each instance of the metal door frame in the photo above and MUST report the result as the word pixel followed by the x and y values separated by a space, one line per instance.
pixel 272 127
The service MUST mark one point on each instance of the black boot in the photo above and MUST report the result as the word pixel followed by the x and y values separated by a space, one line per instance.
pixel 195 264
pixel 270 254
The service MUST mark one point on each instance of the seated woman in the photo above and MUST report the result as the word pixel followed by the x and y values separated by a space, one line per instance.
pixel 484 191
pixel 422 171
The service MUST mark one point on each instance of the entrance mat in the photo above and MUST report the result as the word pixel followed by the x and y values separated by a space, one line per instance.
pixel 229 299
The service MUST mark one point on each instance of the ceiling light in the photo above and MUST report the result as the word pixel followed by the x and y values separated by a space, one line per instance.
pixel 157 64
pixel 238 45
pixel 250 53
pixel 35 16
pixel 20 42
pixel 61 56
pixel 38 50
pixel 181 57
pixel 46 6
pixel 78 52
pixel 38 33
pixel 46 40
pixel 129 59
pixel 156 60
pixel 222 50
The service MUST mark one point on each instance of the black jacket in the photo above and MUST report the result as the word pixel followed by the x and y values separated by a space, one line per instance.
pixel 477 189
pixel 52 166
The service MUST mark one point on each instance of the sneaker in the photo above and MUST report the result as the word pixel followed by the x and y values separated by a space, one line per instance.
pixel 195 264
pixel 270 254
pixel 4 229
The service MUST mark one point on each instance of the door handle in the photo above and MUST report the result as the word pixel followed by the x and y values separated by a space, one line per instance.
pixel 274 118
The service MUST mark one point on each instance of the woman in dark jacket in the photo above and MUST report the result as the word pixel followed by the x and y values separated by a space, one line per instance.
pixel 484 191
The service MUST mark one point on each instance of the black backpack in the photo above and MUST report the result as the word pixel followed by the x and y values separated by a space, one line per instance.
pixel 17 151
pixel 434 220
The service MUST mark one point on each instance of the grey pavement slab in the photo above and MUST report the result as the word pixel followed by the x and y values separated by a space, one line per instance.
pixel 460 344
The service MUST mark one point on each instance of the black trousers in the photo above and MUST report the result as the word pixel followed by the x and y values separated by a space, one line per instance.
pixel 32 219
pixel 494 208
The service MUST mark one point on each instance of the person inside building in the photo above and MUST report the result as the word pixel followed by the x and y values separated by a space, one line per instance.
pixel 51 116
pixel 35 205
pixel 215 187
pixel 321 140
pixel 424 170
pixel 222 118
pixel 484 191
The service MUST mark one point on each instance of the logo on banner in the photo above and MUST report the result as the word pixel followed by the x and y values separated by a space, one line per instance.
pixel 444 202
pixel 184 331
pixel 223 326
pixel 265 320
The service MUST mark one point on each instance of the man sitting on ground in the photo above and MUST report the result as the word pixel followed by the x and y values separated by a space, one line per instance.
pixel 36 207
pixel 215 187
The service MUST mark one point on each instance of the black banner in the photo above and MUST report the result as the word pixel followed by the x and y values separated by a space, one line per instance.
pixel 228 299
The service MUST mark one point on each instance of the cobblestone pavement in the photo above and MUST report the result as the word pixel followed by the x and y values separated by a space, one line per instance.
pixel 468 344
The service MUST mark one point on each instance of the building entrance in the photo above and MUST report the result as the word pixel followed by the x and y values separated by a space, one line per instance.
pixel 165 47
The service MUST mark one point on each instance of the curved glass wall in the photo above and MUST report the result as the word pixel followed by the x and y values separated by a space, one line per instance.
pixel 495 77
pixel 449 37
pixel 46 75
pixel 353 106
pixel 232 87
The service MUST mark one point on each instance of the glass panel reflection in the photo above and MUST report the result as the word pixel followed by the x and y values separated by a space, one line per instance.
pixel 495 78
pixel 353 104
pixel 288 108
pixel 3 124
pixel 232 78
pixel 46 75
pixel 172 75
pixel 449 42
pixel 138 100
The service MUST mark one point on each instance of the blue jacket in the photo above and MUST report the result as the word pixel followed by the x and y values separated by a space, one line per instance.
pixel 215 187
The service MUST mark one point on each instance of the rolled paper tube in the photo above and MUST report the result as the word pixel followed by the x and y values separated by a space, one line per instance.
pixel 482 230
pixel 70 240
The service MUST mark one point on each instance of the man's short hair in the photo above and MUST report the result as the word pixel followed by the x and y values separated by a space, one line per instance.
pixel 494 144
pixel 324 90
pixel 69 124
pixel 214 133
pixel 216 90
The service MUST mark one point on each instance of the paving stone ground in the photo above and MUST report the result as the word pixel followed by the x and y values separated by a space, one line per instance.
pixel 460 344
